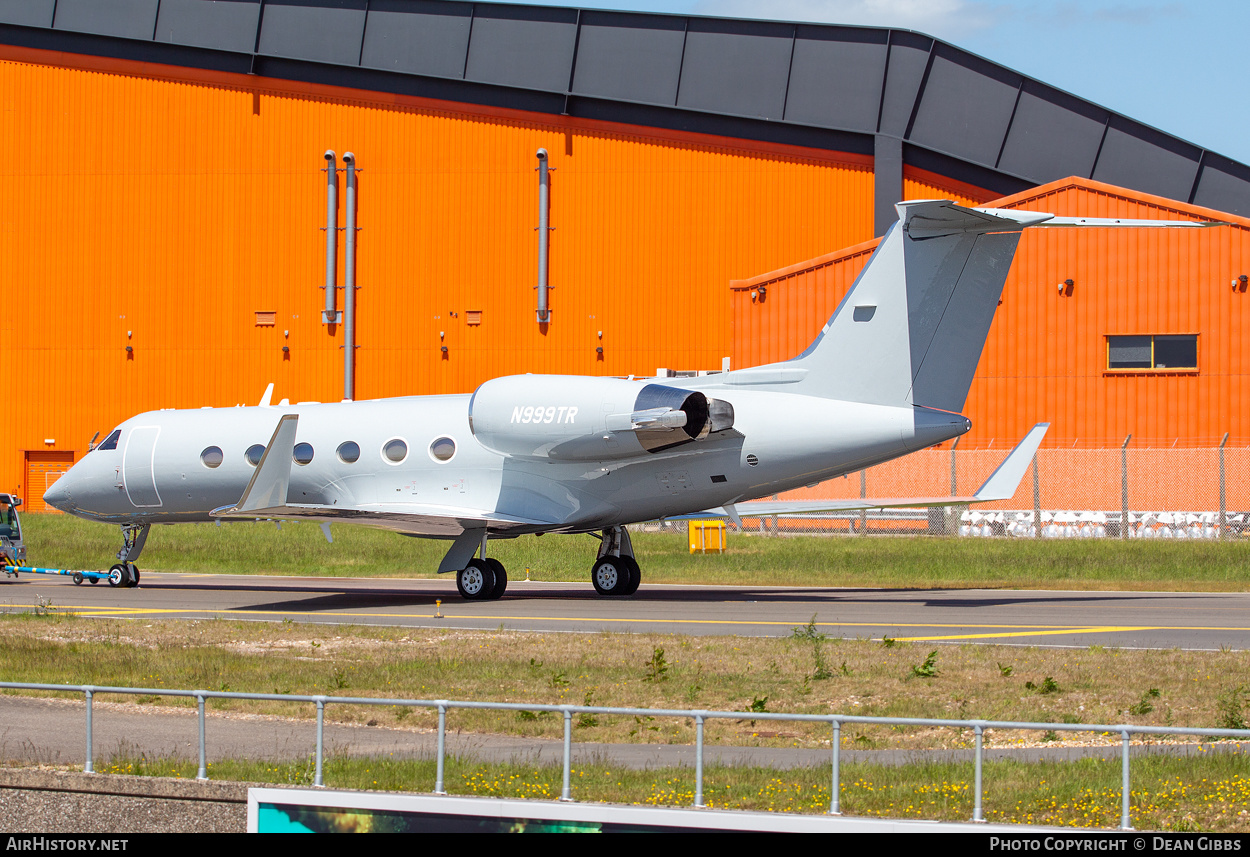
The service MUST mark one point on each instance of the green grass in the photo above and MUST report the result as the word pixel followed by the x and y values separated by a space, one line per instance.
pixel 893 562
pixel 1210 792
pixel 798 674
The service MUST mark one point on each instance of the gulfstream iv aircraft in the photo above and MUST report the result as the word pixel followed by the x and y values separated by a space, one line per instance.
pixel 887 375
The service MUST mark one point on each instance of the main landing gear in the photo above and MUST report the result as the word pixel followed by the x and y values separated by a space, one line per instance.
pixel 125 573
pixel 483 579
pixel 615 572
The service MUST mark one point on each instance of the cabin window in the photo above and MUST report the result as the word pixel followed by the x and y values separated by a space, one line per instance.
pixel 212 456
pixel 303 453
pixel 1153 353
pixel 349 452
pixel 443 449
pixel 254 454
pixel 395 450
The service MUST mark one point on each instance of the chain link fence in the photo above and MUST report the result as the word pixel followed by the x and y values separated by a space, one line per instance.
pixel 1127 490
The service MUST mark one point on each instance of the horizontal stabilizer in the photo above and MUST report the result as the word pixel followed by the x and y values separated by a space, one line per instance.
pixel 1001 485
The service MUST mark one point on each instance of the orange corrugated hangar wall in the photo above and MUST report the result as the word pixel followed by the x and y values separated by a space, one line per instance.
pixel 164 243
pixel 1046 358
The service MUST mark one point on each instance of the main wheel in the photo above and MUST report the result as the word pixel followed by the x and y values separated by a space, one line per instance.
pixel 118 576
pixel 476 581
pixel 610 576
pixel 501 577
pixel 635 575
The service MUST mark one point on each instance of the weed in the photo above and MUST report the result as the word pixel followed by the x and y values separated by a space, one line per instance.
pixel 821 669
pixel 558 679
pixel 1144 705
pixel 1051 735
pixel 808 632
pixel 759 704
pixel 844 669
pixel 657 666
pixel 338 678
pixel 928 669
pixel 643 724
pixel 1005 670
pixel 1231 706
pixel 531 716
pixel 1048 685
pixel 586 720
pixel 888 642
pixel 402 712
pixel 535 664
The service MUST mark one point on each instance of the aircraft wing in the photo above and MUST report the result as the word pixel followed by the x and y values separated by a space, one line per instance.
pixel 1001 485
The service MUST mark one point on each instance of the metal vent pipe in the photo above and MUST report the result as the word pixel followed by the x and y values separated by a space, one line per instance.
pixel 330 315
pixel 544 199
pixel 349 282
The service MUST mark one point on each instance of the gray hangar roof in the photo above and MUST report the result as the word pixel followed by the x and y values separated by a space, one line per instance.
pixel 901 96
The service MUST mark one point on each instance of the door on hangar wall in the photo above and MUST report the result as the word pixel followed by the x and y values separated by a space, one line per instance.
pixel 43 467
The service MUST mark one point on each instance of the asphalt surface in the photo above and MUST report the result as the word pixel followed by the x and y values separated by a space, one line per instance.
pixel 1047 618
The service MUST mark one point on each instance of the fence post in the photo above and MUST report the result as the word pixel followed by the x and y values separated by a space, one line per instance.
pixel 442 748
pixel 835 788
pixel 979 733
pixel 202 774
pixel 1124 487
pixel 1223 494
pixel 698 760
pixel 321 719
pixel 952 513
pixel 568 752
pixel 1037 501
pixel 863 495
pixel 1124 789
pixel 89 767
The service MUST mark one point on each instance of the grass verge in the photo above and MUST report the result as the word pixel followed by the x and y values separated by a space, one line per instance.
pixel 1171 794
pixel 800 674
pixel 895 562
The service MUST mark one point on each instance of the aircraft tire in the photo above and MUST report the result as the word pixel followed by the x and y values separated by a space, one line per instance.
pixel 501 577
pixel 635 575
pixel 118 575
pixel 476 581
pixel 134 574
pixel 610 576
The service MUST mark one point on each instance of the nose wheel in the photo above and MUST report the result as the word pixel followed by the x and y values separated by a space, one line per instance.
pixel 123 574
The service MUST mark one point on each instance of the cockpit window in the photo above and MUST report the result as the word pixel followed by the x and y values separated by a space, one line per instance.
pixel 110 442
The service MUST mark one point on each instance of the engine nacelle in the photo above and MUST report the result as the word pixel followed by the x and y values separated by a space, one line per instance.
pixel 575 418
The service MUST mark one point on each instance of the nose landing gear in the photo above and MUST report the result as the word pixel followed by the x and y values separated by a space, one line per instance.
pixel 125 573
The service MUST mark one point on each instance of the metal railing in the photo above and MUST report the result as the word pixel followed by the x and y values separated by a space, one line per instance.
pixel 835 721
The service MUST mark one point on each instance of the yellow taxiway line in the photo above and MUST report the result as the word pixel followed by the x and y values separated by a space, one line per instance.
pixel 983 631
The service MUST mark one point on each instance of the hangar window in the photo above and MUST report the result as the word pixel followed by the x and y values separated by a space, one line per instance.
pixel 443 449
pixel 212 456
pixel 1153 353
pixel 349 452
pixel 303 453
pixel 395 450
pixel 254 454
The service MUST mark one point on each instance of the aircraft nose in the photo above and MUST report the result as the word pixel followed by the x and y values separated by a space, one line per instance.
pixel 58 494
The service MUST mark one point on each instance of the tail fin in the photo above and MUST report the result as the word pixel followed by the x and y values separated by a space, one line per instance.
pixel 911 329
